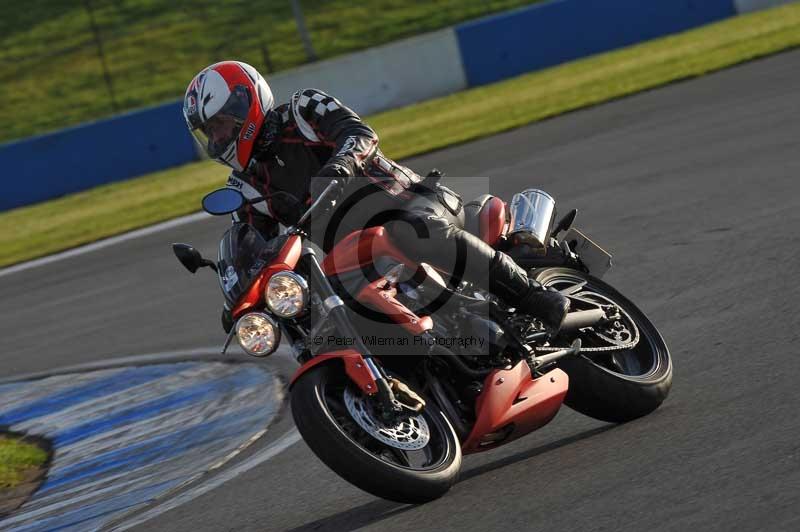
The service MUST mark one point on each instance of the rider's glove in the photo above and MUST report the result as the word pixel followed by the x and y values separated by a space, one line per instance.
pixel 338 168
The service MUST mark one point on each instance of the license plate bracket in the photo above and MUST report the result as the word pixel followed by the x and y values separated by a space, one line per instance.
pixel 595 258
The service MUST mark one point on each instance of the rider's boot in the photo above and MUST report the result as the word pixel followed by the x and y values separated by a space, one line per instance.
pixel 475 259
pixel 510 283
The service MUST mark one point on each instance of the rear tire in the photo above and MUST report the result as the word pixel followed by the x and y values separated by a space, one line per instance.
pixel 354 454
pixel 599 390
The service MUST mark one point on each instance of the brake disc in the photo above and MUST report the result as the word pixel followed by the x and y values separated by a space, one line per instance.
pixel 411 434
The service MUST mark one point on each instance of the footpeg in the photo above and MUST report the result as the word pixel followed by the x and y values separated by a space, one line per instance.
pixel 572 350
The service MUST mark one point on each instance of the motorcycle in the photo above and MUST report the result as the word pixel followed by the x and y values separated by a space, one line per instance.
pixel 463 372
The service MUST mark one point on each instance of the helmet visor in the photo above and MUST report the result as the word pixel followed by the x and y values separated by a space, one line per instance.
pixel 221 130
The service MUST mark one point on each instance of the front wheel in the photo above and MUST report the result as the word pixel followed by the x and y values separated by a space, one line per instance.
pixel 414 461
pixel 614 385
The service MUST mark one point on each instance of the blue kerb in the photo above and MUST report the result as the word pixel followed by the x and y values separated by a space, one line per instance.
pixel 148 464
pixel 192 394
pixel 157 449
pixel 114 383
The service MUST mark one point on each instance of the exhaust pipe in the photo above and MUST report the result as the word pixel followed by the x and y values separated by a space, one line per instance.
pixel 582 318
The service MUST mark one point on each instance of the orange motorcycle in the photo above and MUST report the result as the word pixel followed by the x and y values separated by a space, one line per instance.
pixel 404 368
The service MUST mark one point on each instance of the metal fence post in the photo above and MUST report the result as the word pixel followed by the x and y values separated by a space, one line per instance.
pixel 301 27
pixel 106 74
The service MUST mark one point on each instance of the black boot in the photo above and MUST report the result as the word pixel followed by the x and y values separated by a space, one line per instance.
pixel 510 283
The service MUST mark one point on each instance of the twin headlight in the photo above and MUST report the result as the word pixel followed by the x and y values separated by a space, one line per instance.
pixel 258 334
pixel 287 296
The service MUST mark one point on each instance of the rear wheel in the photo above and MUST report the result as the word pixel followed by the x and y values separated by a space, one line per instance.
pixel 609 384
pixel 413 461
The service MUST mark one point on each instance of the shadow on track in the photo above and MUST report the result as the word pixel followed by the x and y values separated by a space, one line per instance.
pixel 530 453
pixel 357 517
pixel 378 510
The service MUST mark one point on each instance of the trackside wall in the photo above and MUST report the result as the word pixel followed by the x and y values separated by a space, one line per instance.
pixel 373 80
pixel 555 32
pixel 74 159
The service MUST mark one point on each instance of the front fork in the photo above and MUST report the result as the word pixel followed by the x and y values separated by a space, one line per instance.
pixel 389 406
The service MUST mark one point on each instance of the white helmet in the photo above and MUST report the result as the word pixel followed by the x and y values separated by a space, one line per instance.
pixel 225 106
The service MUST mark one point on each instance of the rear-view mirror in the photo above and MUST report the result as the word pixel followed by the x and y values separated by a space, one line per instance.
pixel 223 201
pixel 189 256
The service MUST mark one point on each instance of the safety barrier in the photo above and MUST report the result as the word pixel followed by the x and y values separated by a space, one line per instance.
pixel 745 6
pixel 74 159
pixel 373 80
pixel 384 77
pixel 548 34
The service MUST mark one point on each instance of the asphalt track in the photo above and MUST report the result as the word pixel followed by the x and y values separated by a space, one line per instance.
pixel 693 186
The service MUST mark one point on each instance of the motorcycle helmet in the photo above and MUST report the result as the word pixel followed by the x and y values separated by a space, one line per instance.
pixel 225 106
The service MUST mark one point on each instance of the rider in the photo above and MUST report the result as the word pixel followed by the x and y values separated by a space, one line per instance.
pixel 290 153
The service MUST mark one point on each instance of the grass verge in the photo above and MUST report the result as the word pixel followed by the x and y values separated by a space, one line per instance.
pixel 51 75
pixel 18 459
pixel 48 227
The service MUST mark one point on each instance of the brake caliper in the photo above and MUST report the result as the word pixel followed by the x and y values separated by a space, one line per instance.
pixel 407 397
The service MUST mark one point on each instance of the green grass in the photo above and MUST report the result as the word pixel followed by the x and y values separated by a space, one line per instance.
pixel 41 229
pixel 51 74
pixel 16 459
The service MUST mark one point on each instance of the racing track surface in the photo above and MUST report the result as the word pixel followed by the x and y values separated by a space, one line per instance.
pixel 693 186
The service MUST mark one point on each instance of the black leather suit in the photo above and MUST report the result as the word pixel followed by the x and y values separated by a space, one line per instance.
pixel 314 138
pixel 315 134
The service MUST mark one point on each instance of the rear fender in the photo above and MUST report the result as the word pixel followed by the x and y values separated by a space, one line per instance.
pixel 355 367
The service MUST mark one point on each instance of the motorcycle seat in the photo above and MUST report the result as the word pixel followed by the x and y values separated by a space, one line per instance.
pixel 487 218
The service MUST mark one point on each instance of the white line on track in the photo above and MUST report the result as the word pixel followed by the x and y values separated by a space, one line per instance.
pixel 273 449
pixel 100 244
pixel 200 353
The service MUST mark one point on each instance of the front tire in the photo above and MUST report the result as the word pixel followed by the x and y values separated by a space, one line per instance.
pixel 626 385
pixel 319 406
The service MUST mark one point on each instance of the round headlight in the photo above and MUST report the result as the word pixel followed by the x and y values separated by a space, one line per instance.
pixel 258 334
pixel 286 294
